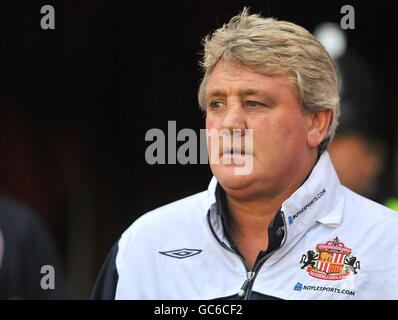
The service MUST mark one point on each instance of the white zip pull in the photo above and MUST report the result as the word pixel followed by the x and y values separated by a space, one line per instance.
pixel 242 291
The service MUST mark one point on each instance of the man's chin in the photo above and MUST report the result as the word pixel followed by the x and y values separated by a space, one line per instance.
pixel 229 180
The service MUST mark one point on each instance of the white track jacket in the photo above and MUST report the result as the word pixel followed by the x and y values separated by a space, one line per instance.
pixel 336 245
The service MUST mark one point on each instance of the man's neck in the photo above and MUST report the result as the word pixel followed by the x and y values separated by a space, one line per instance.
pixel 250 218
pixel 248 228
pixel 248 224
pixel 253 215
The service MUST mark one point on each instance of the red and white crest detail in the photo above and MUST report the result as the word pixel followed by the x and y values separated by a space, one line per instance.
pixel 332 261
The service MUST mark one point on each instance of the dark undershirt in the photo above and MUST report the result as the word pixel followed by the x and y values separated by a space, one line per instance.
pixel 275 228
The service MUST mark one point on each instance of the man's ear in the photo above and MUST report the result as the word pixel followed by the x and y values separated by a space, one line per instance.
pixel 319 123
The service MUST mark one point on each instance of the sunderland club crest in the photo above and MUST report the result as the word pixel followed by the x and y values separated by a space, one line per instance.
pixel 331 261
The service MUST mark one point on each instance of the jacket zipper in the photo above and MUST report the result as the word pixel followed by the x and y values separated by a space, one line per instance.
pixel 225 246
pixel 259 264
pixel 242 294
pixel 245 290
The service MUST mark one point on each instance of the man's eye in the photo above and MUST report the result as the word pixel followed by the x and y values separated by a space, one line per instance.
pixel 254 104
pixel 215 105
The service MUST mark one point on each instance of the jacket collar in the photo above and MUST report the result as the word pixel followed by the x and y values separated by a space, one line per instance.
pixel 317 200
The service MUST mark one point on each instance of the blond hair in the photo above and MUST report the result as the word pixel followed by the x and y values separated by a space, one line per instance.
pixel 273 47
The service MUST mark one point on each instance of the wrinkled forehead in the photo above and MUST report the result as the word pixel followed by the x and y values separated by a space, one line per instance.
pixel 231 77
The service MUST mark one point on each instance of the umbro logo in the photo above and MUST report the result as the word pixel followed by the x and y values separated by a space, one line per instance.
pixel 181 253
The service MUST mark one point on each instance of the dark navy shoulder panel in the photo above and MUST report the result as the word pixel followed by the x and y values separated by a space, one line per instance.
pixel 105 285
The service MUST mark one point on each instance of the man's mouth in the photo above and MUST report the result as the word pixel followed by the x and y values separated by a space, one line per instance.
pixel 233 155
pixel 233 151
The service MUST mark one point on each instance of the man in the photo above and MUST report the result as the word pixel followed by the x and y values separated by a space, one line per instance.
pixel 287 229
pixel 359 160
pixel 25 248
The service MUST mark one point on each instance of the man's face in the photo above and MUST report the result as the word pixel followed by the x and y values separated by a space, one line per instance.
pixel 238 98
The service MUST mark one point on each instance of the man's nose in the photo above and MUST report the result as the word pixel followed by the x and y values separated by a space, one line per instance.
pixel 234 118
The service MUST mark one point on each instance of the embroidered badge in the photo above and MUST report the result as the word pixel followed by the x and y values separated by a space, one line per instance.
pixel 332 261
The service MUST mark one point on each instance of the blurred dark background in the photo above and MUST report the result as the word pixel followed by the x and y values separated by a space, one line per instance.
pixel 76 102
